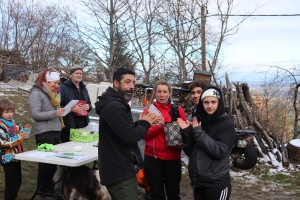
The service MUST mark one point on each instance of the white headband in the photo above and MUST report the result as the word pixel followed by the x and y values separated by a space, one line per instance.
pixel 210 93
pixel 53 76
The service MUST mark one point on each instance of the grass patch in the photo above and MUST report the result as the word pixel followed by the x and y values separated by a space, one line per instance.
pixel 29 169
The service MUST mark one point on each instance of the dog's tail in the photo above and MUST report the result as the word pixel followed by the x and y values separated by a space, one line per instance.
pixel 57 175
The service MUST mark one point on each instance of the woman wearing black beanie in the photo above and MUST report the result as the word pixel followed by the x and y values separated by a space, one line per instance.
pixel 208 141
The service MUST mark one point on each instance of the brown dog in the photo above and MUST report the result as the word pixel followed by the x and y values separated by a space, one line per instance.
pixel 83 181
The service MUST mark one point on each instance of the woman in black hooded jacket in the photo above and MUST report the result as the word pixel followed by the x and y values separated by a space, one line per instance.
pixel 208 141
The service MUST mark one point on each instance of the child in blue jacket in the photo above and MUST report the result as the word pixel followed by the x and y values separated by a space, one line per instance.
pixel 11 137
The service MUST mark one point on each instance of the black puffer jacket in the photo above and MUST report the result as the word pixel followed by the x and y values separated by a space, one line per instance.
pixel 67 94
pixel 118 151
pixel 209 147
pixel 209 153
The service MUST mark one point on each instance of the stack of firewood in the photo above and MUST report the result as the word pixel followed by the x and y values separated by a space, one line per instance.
pixel 10 58
pixel 243 112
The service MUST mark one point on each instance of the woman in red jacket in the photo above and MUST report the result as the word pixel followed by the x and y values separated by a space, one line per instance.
pixel 162 162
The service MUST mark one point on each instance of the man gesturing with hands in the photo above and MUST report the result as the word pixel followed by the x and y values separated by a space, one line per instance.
pixel 119 154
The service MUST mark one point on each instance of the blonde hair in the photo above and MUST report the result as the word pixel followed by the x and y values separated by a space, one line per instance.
pixel 161 82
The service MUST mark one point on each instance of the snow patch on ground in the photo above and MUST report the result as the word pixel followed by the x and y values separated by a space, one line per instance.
pixel 244 176
pixel 295 142
pixel 6 87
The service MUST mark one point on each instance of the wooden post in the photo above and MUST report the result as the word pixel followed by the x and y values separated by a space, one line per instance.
pixel 203 50
pixel 283 137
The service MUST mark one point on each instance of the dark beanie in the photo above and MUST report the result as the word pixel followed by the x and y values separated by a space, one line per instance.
pixel 75 69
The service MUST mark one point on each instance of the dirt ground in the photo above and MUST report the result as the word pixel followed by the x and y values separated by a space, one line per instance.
pixel 245 189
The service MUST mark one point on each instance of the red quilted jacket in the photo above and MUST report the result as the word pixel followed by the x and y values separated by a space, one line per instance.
pixel 155 137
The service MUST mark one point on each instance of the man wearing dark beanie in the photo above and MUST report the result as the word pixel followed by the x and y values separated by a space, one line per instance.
pixel 74 89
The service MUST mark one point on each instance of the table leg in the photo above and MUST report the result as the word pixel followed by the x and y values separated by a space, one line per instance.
pixel 59 196
pixel 62 182
pixel 38 184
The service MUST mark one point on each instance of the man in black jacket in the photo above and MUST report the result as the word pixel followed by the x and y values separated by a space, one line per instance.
pixel 74 89
pixel 119 154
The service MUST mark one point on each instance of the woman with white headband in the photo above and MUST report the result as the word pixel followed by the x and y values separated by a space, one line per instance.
pixel 44 103
pixel 208 141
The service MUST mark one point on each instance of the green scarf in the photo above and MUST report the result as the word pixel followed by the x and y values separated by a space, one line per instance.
pixel 54 98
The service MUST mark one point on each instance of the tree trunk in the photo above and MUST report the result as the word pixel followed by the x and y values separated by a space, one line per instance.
pixel 247 94
pixel 265 135
pixel 296 111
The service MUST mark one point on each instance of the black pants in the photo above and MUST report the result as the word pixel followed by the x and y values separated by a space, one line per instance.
pixel 13 179
pixel 65 135
pixel 212 193
pixel 47 171
pixel 163 175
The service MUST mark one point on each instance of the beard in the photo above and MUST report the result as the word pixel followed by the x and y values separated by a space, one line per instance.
pixel 123 94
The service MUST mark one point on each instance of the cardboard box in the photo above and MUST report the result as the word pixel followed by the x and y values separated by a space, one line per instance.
pixel 83 135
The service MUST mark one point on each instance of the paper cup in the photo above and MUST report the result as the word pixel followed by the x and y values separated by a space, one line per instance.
pixel 78 148
pixel 27 130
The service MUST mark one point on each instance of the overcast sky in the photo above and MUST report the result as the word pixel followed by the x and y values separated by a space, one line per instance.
pixel 264 40
pixel 261 41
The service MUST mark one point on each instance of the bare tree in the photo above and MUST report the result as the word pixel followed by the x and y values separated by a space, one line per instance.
pixel 288 78
pixel 71 51
pixel 291 77
pixel 97 26
pixel 33 29
pixel 224 30
pixel 274 104
pixel 167 32
pixel 145 38
pixel 181 30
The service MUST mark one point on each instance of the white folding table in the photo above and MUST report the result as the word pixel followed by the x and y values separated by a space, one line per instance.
pixel 88 149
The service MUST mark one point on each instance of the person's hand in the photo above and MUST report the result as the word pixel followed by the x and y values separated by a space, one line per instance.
pixel 60 111
pixel 25 134
pixel 159 122
pixel 86 107
pixel 27 126
pixel 77 109
pixel 150 117
pixel 183 124
pixel 195 122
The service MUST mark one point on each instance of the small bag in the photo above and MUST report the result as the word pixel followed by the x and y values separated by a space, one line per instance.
pixel 81 103
pixel 172 134
pixel 5 158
